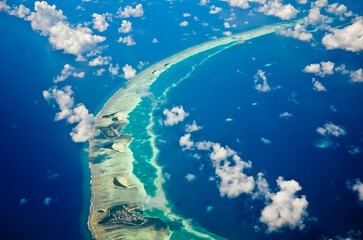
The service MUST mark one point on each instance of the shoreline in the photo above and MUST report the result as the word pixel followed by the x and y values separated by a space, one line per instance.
pixel 117 160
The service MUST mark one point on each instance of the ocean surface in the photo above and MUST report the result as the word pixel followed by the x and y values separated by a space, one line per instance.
pixel 45 177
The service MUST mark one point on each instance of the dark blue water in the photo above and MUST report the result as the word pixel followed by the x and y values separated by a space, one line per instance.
pixel 216 91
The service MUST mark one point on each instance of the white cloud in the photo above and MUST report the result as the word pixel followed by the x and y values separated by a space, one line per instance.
pixel 285 208
pixel 302 1
pixel 330 129
pixel 129 72
pixel 299 32
pixel 99 61
pixel 129 11
pixel 232 180
pixel 349 38
pixel 277 9
pixel 356 76
pixel 342 69
pixel 354 150
pixel 154 40
pixel 263 189
pixel 142 64
pixel 319 3
pixel 261 82
pixel 317 86
pixel 244 4
pixel 99 72
pixel 126 27
pixel 128 40
pixel 186 15
pixel 214 9
pixel 83 131
pixel 185 142
pixel 174 116
pixel 51 22
pixel 99 22
pixel 159 201
pixel 226 25
pixel 78 114
pixel 357 187
pixel 113 69
pixel 286 115
pixel 204 2
pixel 338 9
pixel 20 11
pixel 320 69
pixel 184 24
pixel 315 17
pixel 3 6
pixel 68 71
pixel 64 100
pixel 190 177
pixel 265 140
pixel 192 127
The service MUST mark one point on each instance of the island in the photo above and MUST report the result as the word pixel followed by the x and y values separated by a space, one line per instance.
pixel 121 205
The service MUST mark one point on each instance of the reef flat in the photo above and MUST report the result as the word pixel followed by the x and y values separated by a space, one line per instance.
pixel 118 195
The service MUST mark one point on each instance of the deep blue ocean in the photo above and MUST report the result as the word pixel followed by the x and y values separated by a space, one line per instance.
pixel 39 161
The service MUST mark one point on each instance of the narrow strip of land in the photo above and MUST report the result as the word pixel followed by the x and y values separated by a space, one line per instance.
pixel 117 210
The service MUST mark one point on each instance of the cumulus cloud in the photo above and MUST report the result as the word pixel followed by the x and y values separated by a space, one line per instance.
pixel 184 24
pixel 68 71
pixel 356 76
pixel 244 4
pixel 266 141
pixel 338 10
pixel 3 6
pixel 174 116
pixel 330 129
pixel 129 72
pixel 349 38
pixel 316 18
pixel 320 69
pixel 302 1
pixel 185 142
pixel 277 9
pixel 319 3
pixel 99 22
pixel 99 61
pixel 229 168
pixel 126 27
pixel 79 115
pixel 192 127
pixel 285 209
pixel 214 9
pixel 20 11
pixel 113 69
pixel 286 115
pixel 154 41
pixel 128 40
pixel 100 71
pixel 261 82
pixel 129 11
pixel 354 150
pixel 158 201
pixel 62 36
pixel 317 86
pixel 190 177
pixel 356 186
pixel 299 32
